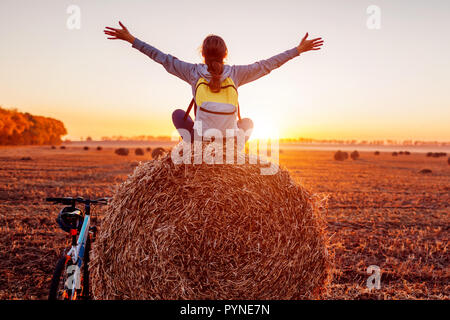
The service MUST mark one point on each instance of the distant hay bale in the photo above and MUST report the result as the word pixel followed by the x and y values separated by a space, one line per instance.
pixel 377 153
pixel 53 147
pixel 425 171
pixel 340 155
pixel 401 153
pixel 26 159
pixel 354 155
pixel 394 154
pixel 122 151
pixel 62 147
pixel 210 232
pixel 148 149
pixel 85 148
pixel 139 152
pixel 407 153
pixel 439 154
pixel 158 153
pixel 429 154
pixel 448 160
pixel 99 148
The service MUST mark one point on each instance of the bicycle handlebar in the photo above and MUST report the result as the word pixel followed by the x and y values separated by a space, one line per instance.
pixel 72 201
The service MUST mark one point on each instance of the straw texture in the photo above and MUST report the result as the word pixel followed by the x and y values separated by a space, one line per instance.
pixel 210 232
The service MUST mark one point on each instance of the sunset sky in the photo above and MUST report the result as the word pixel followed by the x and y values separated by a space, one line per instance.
pixel 364 83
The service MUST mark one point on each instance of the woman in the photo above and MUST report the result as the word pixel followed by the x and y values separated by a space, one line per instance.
pixel 218 108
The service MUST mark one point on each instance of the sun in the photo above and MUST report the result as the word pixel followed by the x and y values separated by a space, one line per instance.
pixel 264 128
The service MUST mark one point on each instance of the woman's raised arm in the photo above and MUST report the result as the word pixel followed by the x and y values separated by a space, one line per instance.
pixel 247 73
pixel 173 65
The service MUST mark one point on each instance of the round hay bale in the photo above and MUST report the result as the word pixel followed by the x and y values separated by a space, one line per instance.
pixel 99 148
pixel 53 147
pixel 407 153
pixel 425 171
pixel 148 149
pixel 85 148
pixel 401 153
pixel 377 153
pixel 448 161
pixel 122 151
pixel 354 155
pixel 62 147
pixel 158 153
pixel 394 154
pixel 210 232
pixel 429 154
pixel 340 155
pixel 139 152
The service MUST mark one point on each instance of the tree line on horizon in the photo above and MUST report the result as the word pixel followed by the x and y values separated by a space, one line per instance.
pixel 292 140
pixel 19 128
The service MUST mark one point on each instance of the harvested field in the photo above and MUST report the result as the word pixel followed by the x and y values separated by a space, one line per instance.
pixel 382 212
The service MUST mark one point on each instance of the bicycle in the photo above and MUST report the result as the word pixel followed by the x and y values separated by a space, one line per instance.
pixel 70 279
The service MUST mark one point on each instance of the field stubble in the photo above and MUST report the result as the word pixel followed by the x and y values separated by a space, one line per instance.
pixel 382 212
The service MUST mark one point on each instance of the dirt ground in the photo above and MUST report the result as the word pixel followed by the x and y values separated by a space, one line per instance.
pixel 382 212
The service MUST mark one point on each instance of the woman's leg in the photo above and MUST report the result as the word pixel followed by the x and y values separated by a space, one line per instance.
pixel 183 126
pixel 246 125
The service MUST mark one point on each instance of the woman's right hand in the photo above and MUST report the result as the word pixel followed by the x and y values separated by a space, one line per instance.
pixel 119 34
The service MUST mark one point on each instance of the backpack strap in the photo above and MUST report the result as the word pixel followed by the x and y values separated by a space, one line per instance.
pixel 239 112
pixel 190 108
pixel 193 103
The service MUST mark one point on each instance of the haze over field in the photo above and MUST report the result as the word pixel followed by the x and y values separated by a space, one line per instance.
pixel 390 83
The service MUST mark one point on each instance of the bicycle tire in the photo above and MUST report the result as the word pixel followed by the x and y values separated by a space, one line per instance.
pixel 60 271
pixel 58 282
pixel 56 278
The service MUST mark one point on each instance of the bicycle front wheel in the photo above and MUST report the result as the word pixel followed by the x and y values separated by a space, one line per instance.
pixel 57 285
pixel 64 275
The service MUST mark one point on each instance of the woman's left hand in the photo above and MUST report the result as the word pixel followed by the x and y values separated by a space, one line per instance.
pixel 307 45
pixel 119 34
